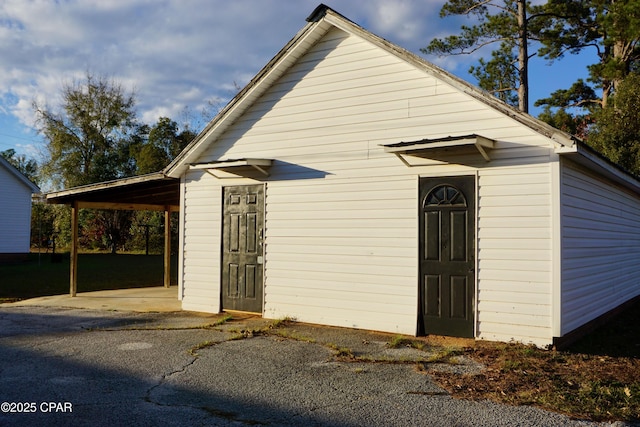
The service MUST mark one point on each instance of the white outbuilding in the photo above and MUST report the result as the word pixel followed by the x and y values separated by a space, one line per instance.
pixel 351 183
pixel 15 199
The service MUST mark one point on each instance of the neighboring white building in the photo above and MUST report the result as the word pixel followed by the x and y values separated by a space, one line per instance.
pixel 15 198
pixel 353 184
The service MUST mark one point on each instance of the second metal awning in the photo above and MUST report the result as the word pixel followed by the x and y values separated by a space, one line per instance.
pixel 236 166
pixel 439 147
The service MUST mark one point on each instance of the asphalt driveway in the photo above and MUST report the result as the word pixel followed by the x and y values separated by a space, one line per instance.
pixel 63 366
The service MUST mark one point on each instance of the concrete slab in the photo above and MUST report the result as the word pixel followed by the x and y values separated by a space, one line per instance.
pixel 155 299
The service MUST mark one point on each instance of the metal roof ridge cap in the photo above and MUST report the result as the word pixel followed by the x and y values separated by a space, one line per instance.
pixel 318 13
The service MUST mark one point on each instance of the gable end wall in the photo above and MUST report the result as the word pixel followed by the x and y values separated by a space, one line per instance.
pixel 341 231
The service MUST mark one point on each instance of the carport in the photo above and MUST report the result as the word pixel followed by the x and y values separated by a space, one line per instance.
pixel 151 192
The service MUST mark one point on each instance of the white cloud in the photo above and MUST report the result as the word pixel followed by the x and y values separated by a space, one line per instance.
pixel 175 54
pixel 401 18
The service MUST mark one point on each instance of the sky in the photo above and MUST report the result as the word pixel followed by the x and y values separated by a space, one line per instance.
pixel 190 55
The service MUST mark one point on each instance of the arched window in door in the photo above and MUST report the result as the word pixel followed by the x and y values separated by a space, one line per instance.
pixel 445 196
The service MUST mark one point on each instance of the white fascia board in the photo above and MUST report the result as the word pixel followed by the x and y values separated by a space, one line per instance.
pixel 584 156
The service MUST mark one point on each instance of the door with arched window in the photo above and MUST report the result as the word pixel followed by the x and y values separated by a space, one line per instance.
pixel 447 261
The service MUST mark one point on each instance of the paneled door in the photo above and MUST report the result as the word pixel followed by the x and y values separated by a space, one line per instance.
pixel 242 248
pixel 447 261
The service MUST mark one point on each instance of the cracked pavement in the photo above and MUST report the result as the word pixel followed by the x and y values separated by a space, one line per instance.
pixel 146 369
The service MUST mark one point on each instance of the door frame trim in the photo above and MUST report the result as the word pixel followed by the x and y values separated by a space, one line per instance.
pixel 264 246
pixel 475 175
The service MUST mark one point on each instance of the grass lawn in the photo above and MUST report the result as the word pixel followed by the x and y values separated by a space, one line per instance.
pixel 96 271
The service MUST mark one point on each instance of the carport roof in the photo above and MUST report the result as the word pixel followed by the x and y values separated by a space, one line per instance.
pixel 146 192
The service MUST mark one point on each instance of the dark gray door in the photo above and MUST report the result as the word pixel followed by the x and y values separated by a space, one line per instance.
pixel 242 255
pixel 447 264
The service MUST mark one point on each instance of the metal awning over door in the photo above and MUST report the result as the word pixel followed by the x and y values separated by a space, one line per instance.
pixel 236 167
pixel 443 148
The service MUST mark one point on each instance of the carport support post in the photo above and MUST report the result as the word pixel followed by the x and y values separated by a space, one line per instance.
pixel 73 285
pixel 167 247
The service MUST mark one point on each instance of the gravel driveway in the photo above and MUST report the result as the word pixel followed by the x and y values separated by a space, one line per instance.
pixel 103 368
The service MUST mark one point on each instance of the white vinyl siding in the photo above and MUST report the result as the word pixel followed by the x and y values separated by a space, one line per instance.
pixel 341 225
pixel 515 257
pixel 600 246
pixel 342 251
pixel 15 227
pixel 201 240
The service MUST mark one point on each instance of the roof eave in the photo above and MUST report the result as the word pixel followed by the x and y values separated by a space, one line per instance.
pixel 19 175
pixel 586 156
pixel 106 184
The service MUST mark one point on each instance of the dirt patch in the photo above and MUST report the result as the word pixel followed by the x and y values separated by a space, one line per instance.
pixel 598 378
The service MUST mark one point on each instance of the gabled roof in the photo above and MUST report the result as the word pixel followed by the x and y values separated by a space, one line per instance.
pixel 161 189
pixel 319 23
pixel 19 175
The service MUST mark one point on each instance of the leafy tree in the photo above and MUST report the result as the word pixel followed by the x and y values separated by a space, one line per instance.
pixel 95 137
pixel 577 125
pixel 50 223
pixel 106 229
pixel 150 225
pixel 166 135
pixel 578 109
pixel 28 167
pixel 611 28
pixel 497 75
pixel 86 140
pixel 513 26
pixel 42 228
pixel 616 132
pixel 155 148
pixel 164 142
